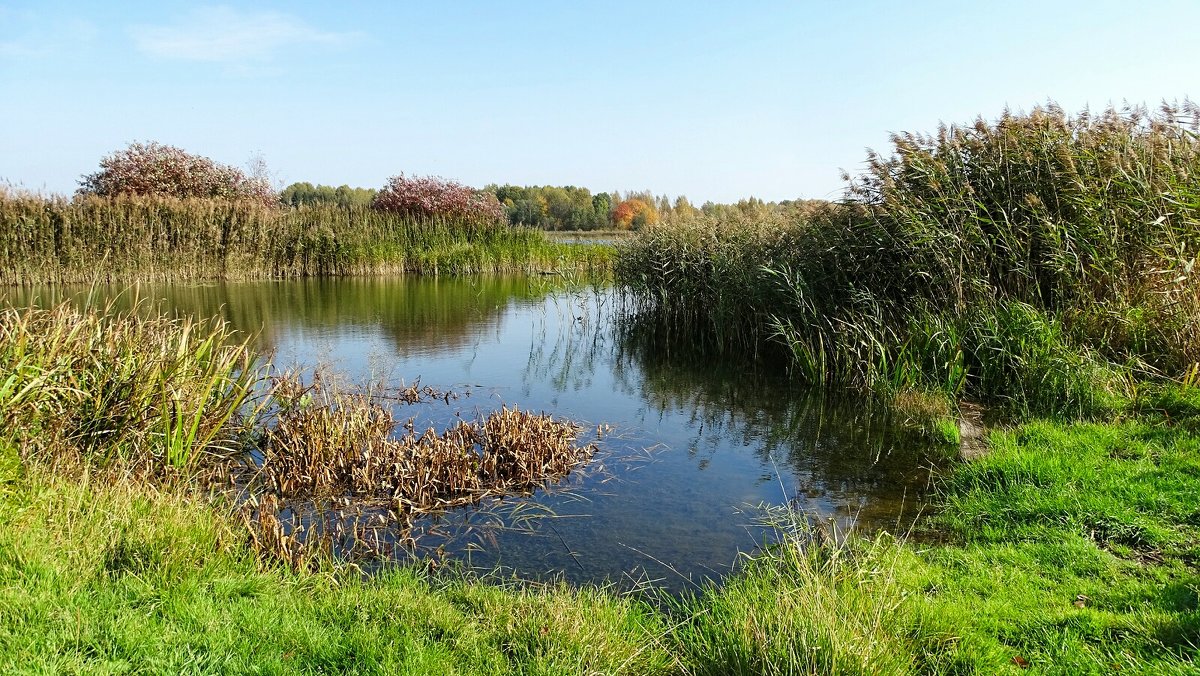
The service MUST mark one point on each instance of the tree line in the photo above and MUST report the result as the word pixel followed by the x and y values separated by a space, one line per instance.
pixel 569 207
pixel 156 169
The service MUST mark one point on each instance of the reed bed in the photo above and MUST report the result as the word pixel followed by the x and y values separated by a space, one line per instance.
pixel 123 239
pixel 1041 261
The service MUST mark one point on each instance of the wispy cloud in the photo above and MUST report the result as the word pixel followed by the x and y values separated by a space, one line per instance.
pixel 28 35
pixel 227 35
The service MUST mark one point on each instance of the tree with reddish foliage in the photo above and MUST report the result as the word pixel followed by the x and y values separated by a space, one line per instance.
pixel 434 196
pixel 155 169
pixel 634 213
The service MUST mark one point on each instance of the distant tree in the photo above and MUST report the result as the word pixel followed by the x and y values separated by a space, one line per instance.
pixel 258 170
pixel 634 214
pixel 435 196
pixel 156 169
pixel 664 206
pixel 552 207
pixel 302 194
pixel 602 206
pixel 508 194
pixel 683 208
pixel 526 212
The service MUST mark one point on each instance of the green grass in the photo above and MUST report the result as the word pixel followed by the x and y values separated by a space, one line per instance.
pixel 103 576
pixel 113 559
pixel 1059 514
pixel 154 394
pixel 804 608
pixel 125 239
pixel 97 575
pixel 1061 510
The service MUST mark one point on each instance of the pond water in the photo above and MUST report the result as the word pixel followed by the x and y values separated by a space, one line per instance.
pixel 696 444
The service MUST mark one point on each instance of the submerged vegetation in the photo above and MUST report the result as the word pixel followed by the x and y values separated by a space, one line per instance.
pixel 334 474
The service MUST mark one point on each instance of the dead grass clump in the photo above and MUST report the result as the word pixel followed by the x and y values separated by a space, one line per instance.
pixel 345 445
pixel 333 448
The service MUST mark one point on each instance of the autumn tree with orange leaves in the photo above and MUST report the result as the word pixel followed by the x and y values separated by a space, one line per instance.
pixel 634 214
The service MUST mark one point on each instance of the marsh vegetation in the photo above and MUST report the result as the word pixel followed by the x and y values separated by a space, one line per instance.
pixel 126 239
pixel 1041 262
pixel 1040 267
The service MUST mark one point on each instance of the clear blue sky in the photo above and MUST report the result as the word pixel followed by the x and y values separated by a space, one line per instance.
pixel 715 101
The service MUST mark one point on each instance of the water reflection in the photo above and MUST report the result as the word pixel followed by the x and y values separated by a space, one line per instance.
pixel 725 435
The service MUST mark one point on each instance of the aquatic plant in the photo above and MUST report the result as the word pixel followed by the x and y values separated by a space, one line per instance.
pixel 139 393
pixel 341 449
pixel 1040 261
pixel 129 238
pixel 153 394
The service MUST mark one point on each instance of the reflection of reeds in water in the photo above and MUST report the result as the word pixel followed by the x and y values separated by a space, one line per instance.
pixel 337 454
pixel 415 313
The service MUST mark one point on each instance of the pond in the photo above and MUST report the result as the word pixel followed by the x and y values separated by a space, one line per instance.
pixel 696 445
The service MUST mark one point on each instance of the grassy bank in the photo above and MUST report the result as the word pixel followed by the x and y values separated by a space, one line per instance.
pixel 1070 549
pixel 106 576
pixel 123 239
pixel 1087 568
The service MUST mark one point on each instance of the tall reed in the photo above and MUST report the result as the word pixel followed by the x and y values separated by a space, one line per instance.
pixel 121 239
pixel 1041 260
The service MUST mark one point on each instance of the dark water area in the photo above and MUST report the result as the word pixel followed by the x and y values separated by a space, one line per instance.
pixel 696 445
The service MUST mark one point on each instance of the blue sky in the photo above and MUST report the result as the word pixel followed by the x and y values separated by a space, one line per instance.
pixel 715 101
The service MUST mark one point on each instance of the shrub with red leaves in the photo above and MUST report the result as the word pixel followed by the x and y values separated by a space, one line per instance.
pixel 162 170
pixel 434 196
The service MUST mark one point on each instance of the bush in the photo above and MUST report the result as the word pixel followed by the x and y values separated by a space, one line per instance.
pixel 430 196
pixel 155 169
